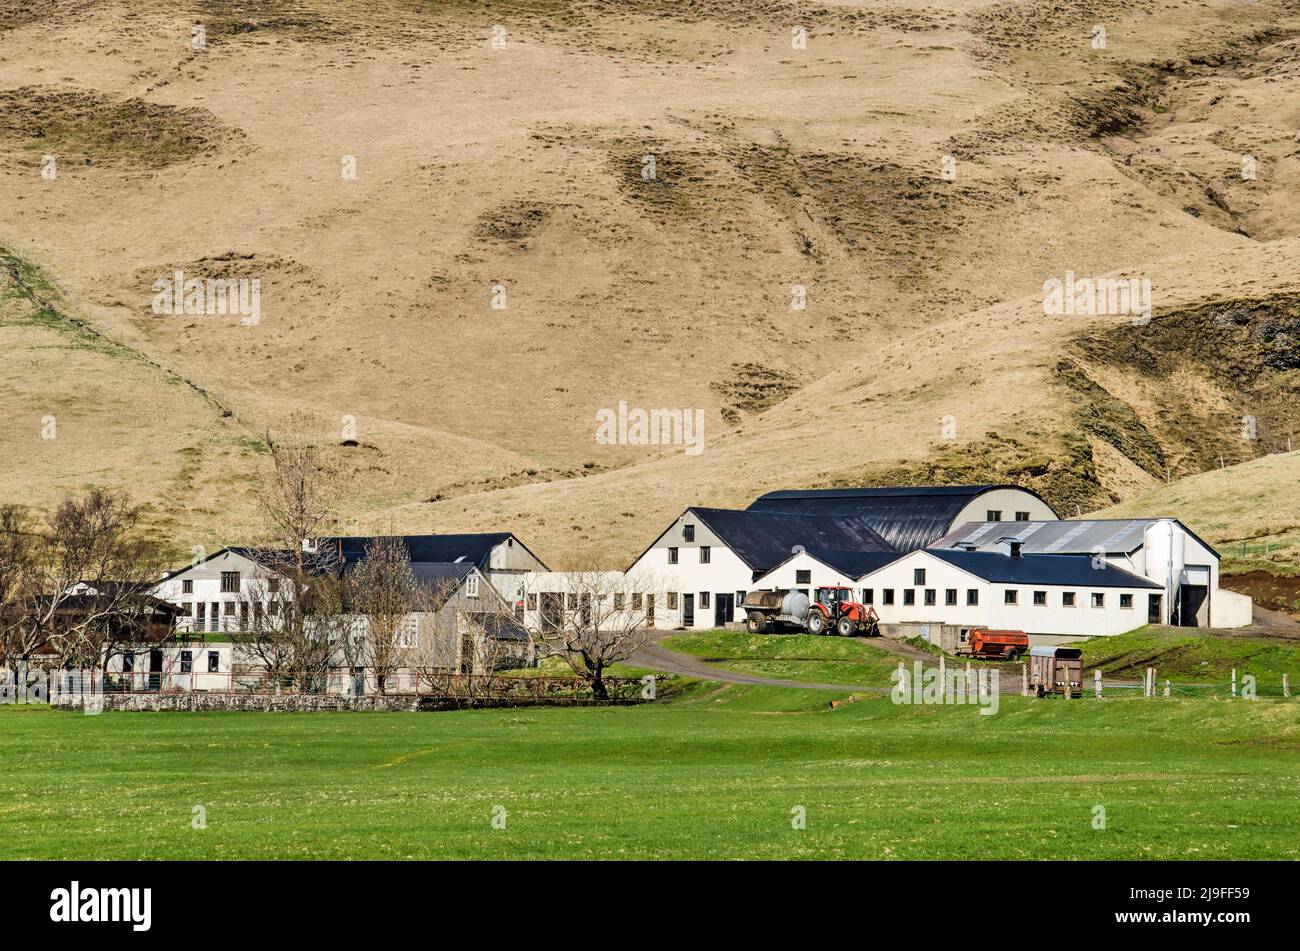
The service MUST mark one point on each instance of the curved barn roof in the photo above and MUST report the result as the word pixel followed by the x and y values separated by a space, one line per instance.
pixel 908 517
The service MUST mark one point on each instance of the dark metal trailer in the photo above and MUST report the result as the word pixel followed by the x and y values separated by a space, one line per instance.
pixel 1055 670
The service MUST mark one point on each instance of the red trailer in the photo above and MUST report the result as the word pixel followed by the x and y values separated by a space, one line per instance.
pixel 995 645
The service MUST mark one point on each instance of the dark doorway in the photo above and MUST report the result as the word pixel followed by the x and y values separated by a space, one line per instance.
pixel 1155 606
pixel 155 670
pixel 1191 604
pixel 688 610
pixel 724 608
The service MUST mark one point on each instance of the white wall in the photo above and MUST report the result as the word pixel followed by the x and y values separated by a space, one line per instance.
pixel 724 573
pixel 1008 502
pixel 821 575
pixel 206 579
pixel 1053 619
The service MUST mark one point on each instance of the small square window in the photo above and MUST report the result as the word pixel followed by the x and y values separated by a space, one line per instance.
pixel 619 600
pixel 1067 599
pixel 909 596
pixel 1022 516
pixel 1010 596
pixel 918 577
pixel 994 515
pixel 803 577
pixel 1126 601
pixel 868 596
pixel 187 586
pixel 972 597
pixel 1098 599
pixel 1040 599
pixel 888 594
pixel 672 556
pixel 950 596
pixel 706 554
pixel 229 582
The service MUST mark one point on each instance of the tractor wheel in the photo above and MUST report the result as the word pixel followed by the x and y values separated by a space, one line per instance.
pixel 755 623
pixel 816 622
pixel 847 627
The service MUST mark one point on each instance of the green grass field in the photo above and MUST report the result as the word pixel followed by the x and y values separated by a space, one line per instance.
pixel 800 657
pixel 715 773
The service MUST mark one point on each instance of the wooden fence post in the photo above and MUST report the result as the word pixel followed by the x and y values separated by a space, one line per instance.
pixel 1024 680
pixel 1286 686
pixel 1166 687
pixel 1234 681
pixel 970 679
pixel 943 676
pixel 1096 683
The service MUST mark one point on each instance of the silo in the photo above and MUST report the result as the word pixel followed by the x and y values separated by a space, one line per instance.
pixel 1166 558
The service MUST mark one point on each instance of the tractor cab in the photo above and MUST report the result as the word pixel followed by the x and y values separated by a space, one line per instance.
pixel 833 596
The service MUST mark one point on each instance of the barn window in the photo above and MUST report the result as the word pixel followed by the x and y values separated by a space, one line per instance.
pixel 672 556
pixel 273 585
pixel 888 594
pixel 1040 599
pixel 909 596
pixel 688 533
pixel 214 662
pixel 803 577
pixel 972 597
pixel 672 600
pixel 930 597
pixel 1010 596
pixel 1067 599
pixel 950 596
pixel 918 577
pixel 187 586
pixel 230 609
pixel 704 599
pixel 1022 516
pixel 471 586
pixel 994 515
pixel 706 554
pixel 1126 601
pixel 187 662
pixel 618 600
pixel 1098 599
pixel 868 596
pixel 636 601
pixel 229 582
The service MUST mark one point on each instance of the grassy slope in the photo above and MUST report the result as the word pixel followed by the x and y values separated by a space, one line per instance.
pixel 1190 656
pixel 713 776
pixel 800 657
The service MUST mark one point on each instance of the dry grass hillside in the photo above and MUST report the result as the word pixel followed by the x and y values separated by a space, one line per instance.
pixel 920 168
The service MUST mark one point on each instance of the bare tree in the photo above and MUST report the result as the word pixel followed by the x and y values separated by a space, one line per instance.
pixel 294 608
pixel 603 622
pixel 382 591
pixel 80 586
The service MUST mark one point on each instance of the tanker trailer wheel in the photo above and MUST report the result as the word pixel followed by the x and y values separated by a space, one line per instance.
pixel 847 627
pixel 755 623
pixel 816 622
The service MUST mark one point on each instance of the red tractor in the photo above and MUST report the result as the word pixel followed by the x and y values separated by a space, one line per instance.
pixel 835 610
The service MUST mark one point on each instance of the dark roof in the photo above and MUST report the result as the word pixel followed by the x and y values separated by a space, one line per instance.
pixel 907 517
pixel 763 540
pixel 1041 569
pixel 476 549
pixel 435 572
pixel 854 564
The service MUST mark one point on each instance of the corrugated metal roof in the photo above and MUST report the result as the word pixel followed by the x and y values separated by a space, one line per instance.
pixel 1041 569
pixel 763 540
pixel 473 548
pixel 1074 536
pixel 908 517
